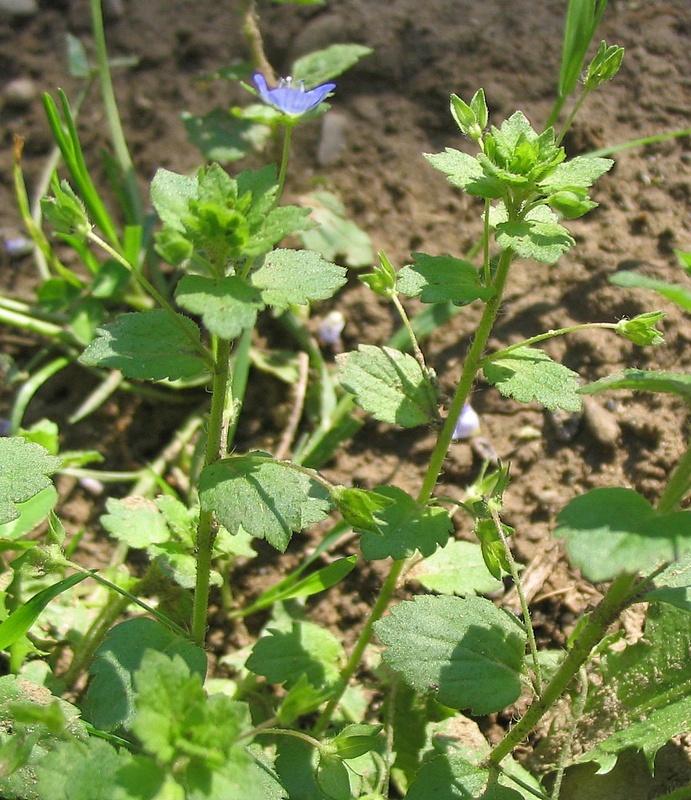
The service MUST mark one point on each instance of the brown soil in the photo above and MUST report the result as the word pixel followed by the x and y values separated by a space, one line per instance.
pixel 395 107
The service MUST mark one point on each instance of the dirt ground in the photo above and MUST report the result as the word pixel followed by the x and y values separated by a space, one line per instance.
pixel 394 106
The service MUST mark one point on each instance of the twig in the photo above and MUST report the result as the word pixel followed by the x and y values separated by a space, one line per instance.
pixel 298 406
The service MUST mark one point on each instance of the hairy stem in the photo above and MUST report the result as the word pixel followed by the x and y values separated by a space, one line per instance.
pixel 206 530
pixel 619 595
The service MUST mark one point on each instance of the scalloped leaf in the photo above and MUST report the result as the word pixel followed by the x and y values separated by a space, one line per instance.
pixel 467 652
pixel 267 498
pixel 457 568
pixel 24 470
pixel 148 345
pixel 528 374
pixel 296 277
pixel 227 305
pixel 436 279
pixel 389 384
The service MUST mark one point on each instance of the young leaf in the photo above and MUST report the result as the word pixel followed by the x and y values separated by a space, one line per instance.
pixel 457 568
pixel 643 380
pixel 170 195
pixel 390 385
pixel 473 651
pixel 615 530
pixel 359 507
pixel 296 277
pixel 306 649
pixel 543 240
pixel 528 374
pixel 268 498
pixel 580 172
pixel 148 345
pixel 405 526
pixel 81 770
pixel 466 172
pixel 24 471
pixel 436 279
pixel 110 700
pixel 227 305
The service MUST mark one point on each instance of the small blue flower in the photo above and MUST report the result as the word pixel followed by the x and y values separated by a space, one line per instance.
pixel 290 99
pixel 467 425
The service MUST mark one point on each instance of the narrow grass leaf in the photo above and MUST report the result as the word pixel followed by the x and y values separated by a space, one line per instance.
pixel 19 621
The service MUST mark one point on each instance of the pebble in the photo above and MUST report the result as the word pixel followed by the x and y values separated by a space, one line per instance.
pixel 19 93
pixel 600 422
pixel 333 138
pixel 18 8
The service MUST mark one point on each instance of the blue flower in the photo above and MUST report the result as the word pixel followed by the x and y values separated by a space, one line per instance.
pixel 467 425
pixel 290 99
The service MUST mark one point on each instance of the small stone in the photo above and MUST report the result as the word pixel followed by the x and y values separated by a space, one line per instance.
pixel 332 141
pixel 600 422
pixel 20 93
pixel 18 8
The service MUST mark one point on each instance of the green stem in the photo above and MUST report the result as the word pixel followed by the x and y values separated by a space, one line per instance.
pixel 572 116
pixel 411 333
pixel 536 679
pixel 470 369
pixel 206 530
pixel 285 158
pixel 136 208
pixel 679 485
pixel 551 335
pixel 618 596
pixel 347 672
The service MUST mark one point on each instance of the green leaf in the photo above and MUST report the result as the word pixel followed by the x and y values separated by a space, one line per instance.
pixel 543 241
pixel 306 649
pixel 227 305
pixel 405 526
pixel 651 680
pixel 19 621
pixel 457 568
pixel 466 172
pixel 224 136
pixel 24 471
pixel 359 508
pixel 148 345
pixel 528 374
pixel 576 173
pixel 473 651
pixel 390 385
pixel 136 521
pixel 274 226
pixel 436 279
pixel 354 741
pixel 615 530
pixel 110 700
pixel 170 195
pixel 335 234
pixel 296 277
pixel 81 772
pixel 332 778
pixel 31 513
pixel 269 499
pixel 673 585
pixel 675 292
pixel 450 777
pixel 321 66
pixel 643 380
